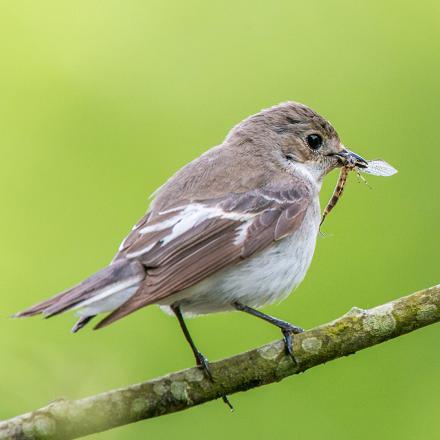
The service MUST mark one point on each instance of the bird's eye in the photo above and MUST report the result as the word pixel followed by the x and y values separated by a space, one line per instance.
pixel 314 141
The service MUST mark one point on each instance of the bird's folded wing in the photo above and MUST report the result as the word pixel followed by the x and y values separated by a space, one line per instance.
pixel 189 242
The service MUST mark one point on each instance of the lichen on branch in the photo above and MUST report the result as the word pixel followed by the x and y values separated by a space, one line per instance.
pixel 354 331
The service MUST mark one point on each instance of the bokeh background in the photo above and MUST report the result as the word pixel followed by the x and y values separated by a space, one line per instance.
pixel 101 101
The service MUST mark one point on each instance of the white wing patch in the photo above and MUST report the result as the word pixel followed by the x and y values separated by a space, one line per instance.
pixel 242 233
pixel 160 226
pixel 140 251
pixel 188 218
pixel 196 213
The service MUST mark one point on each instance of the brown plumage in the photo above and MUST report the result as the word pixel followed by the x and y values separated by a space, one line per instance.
pixel 260 182
pixel 232 230
pixel 210 246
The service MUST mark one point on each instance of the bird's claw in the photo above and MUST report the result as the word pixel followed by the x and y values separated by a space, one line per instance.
pixel 203 363
pixel 288 331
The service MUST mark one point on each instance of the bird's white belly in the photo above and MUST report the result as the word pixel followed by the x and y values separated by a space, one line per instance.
pixel 264 278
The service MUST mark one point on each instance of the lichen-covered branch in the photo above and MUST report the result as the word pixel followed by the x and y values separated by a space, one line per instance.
pixel 356 330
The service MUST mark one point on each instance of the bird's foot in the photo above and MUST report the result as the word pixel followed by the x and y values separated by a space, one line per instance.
pixel 288 331
pixel 227 402
pixel 203 363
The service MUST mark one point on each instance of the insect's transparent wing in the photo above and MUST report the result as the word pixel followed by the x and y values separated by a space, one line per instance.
pixel 378 168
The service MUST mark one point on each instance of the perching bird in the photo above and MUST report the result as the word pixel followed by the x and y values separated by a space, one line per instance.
pixel 233 230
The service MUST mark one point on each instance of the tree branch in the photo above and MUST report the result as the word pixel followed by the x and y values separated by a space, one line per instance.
pixel 356 330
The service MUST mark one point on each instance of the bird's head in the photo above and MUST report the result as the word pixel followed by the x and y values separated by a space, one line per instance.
pixel 296 138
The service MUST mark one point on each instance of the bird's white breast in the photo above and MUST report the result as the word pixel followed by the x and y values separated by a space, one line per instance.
pixel 266 277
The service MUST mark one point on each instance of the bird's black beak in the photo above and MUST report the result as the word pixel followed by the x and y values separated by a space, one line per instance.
pixel 350 159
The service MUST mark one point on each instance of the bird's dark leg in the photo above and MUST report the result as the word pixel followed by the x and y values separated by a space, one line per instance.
pixel 286 328
pixel 201 361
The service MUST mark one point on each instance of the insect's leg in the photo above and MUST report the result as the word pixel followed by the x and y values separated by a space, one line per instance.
pixel 361 178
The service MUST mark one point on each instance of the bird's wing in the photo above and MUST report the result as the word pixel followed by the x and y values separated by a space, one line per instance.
pixel 189 242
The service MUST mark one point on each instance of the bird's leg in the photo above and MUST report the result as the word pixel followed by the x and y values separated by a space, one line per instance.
pixel 286 328
pixel 201 360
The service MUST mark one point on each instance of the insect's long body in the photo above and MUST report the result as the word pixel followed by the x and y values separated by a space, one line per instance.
pixel 374 167
pixel 337 193
pixel 234 229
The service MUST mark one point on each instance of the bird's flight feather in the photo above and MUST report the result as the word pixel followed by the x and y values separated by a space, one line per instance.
pixel 222 232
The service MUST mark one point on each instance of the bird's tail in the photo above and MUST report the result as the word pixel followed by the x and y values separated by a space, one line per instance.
pixel 106 289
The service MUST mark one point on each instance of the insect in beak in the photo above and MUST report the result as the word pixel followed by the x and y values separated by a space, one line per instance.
pixel 350 160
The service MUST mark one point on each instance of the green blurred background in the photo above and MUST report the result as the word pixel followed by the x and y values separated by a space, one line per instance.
pixel 101 101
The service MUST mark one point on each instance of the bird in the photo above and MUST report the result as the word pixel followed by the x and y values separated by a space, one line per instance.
pixel 233 230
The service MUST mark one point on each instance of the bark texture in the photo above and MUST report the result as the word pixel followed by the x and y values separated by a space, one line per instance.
pixel 356 330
